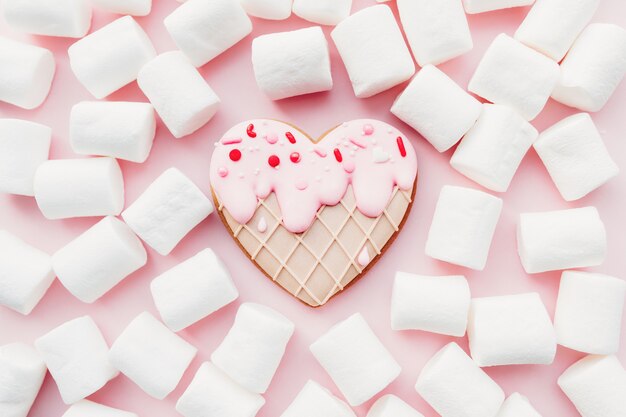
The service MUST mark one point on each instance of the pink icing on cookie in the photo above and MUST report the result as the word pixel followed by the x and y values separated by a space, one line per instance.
pixel 364 257
pixel 386 160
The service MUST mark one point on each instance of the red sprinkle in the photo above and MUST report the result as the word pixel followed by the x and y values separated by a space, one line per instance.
pixel 235 155
pixel 273 161
pixel 338 155
pixel 250 131
pixel 290 137
pixel 295 157
pixel 401 146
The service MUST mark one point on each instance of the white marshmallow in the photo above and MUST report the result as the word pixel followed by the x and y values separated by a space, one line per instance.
pixel 117 129
pixel 268 9
pixel 324 12
pixel 385 61
pixel 437 31
pixel 204 29
pixel 517 405
pixel 561 239
pixel 66 188
pixel 25 274
pixel 392 406
pixel 99 259
pixel 24 146
pixel 514 75
pixel 435 106
pixel 131 7
pixel 589 310
pixel 66 18
pixel 111 57
pixel 453 384
pixel 292 63
pixel 253 348
pixel 76 355
pixel 511 330
pixel 355 359
pixel 493 149
pixel 596 386
pixel 192 290
pixel 481 6
pixel 463 226
pixel 575 156
pixel 21 374
pixel 433 304
pixel 88 408
pixel 315 401
pixel 26 73
pixel 178 92
pixel 167 210
pixel 151 356
pixel 593 68
pixel 213 394
pixel 551 26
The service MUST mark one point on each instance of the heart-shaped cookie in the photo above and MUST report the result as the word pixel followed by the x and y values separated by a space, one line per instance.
pixel 314 216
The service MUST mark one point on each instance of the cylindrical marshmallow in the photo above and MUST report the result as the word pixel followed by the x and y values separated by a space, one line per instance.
pixel 593 68
pixel 596 385
pixel 21 374
pixel 167 210
pixel 392 406
pixel 178 92
pixel 437 31
pixel 324 12
pixel 463 226
pixel 551 26
pixel 292 63
pixel 24 146
pixel 204 29
pixel 151 356
pixel 561 239
pixel 192 290
pixel 25 274
pixel 589 310
pixel 212 393
pixel 130 7
pixel 516 405
pixel 66 188
pixel 66 18
pixel 515 75
pixel 433 304
pixel 99 259
pixel 481 6
pixel 356 360
pixel 111 57
pixel 493 149
pixel 268 9
pixel 253 348
pixel 455 386
pixel 435 106
pixel 575 156
pixel 76 356
pixel 26 73
pixel 88 408
pixel 117 129
pixel 511 330
pixel 385 62
pixel 314 401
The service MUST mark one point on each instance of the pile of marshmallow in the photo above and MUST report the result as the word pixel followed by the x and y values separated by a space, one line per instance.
pixel 516 75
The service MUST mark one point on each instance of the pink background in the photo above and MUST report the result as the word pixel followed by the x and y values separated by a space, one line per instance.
pixel 232 78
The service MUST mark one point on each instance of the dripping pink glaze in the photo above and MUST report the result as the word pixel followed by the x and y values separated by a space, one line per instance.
pixel 318 167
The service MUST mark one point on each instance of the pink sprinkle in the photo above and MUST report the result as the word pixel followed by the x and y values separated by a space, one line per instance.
pixel 348 166
pixel 368 129
pixel 222 171
pixel 358 143
pixel 321 152
pixel 271 139
pixel 301 185
pixel 231 141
